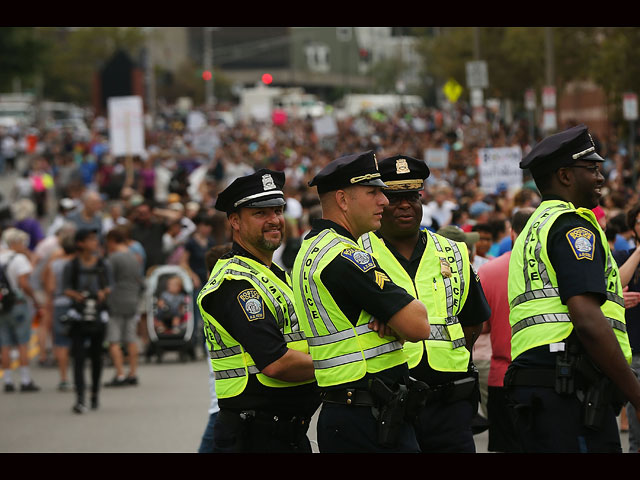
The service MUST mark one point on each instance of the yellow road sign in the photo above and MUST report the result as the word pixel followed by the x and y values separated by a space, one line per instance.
pixel 452 90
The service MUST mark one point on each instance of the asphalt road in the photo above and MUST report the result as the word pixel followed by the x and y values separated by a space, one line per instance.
pixel 166 412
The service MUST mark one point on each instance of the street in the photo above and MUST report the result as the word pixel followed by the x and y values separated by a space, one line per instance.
pixel 165 413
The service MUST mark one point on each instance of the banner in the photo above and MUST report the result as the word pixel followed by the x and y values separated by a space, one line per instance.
pixel 499 168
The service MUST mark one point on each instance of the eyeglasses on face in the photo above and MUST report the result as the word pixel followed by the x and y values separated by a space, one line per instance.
pixel 595 169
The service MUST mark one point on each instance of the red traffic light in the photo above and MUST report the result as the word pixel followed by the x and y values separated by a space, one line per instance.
pixel 267 78
pixel 206 75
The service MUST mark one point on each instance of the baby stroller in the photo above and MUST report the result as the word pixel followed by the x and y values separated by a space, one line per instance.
pixel 169 330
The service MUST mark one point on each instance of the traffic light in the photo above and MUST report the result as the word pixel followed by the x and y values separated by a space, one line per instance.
pixel 207 75
pixel 267 78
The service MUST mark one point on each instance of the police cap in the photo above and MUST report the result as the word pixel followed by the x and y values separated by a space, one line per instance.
pixel 263 188
pixel 349 170
pixel 561 150
pixel 403 173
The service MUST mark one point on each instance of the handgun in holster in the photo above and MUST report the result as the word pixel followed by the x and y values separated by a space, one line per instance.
pixel 565 375
pixel 416 398
pixel 566 369
pixel 390 412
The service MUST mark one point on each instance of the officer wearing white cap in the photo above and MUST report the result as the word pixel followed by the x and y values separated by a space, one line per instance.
pixel 263 371
pixel 570 351
pixel 339 290
pixel 437 270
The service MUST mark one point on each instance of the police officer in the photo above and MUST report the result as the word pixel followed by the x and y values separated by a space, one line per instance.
pixel 263 371
pixel 437 271
pixel 340 289
pixel 570 350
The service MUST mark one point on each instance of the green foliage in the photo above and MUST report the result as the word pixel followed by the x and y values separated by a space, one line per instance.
pixel 75 55
pixel 516 56
pixel 20 56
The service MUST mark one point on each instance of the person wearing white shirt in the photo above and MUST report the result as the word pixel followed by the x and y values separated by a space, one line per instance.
pixel 15 326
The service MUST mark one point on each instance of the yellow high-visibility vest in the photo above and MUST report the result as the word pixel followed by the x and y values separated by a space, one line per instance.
pixel 537 315
pixel 341 352
pixel 231 363
pixel 443 292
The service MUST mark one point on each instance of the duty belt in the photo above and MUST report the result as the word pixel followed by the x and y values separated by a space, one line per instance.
pixel 530 377
pixel 265 417
pixel 348 396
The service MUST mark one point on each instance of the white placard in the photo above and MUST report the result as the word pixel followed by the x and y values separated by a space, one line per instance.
pixel 325 126
pixel 549 121
pixel 126 126
pixel 630 106
pixel 436 158
pixel 499 167
pixel 206 140
pixel 196 120
pixel 477 98
pixel 549 97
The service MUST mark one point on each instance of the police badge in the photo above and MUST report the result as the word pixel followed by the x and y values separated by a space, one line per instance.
pixel 445 268
pixel 267 182
pixel 402 166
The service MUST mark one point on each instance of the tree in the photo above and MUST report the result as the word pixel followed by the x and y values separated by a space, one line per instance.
pixel 75 54
pixel 515 56
pixel 21 53
pixel 615 64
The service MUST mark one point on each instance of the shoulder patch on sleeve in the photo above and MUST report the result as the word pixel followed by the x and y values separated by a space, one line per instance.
pixel 359 258
pixel 252 304
pixel 582 242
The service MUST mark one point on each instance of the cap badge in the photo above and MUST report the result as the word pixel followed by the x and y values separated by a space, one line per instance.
pixel 267 182
pixel 402 166
pixel 375 160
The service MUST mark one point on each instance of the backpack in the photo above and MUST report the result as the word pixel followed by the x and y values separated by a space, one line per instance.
pixel 8 295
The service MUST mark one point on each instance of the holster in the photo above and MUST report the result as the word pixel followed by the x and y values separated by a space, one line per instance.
pixel 390 410
pixel 597 392
pixel 288 429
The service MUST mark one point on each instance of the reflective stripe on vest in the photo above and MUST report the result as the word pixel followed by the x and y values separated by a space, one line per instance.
pixel 231 363
pixel 534 298
pixel 445 346
pixel 341 352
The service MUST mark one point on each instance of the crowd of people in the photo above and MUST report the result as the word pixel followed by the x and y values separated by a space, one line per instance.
pixel 72 199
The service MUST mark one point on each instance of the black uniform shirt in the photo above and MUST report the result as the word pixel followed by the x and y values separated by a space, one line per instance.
pixel 475 310
pixel 575 277
pixel 354 289
pixel 262 339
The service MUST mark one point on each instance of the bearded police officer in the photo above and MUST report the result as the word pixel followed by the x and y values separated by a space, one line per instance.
pixel 339 289
pixel 263 372
pixel 437 271
pixel 570 352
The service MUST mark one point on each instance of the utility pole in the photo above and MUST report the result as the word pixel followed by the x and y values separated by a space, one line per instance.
pixel 476 43
pixel 549 55
pixel 208 66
